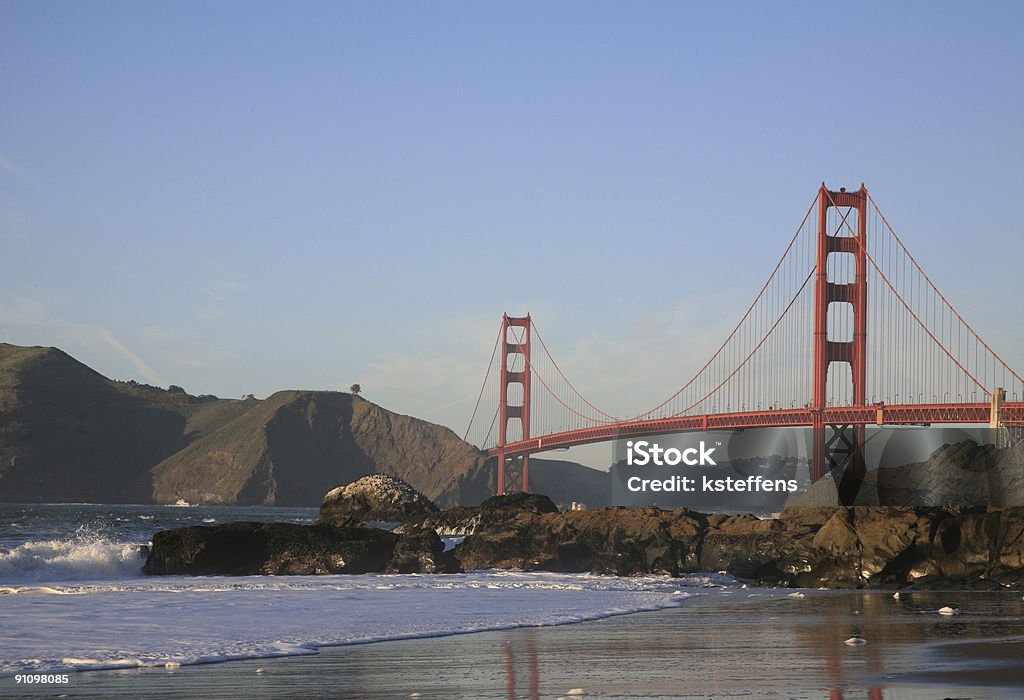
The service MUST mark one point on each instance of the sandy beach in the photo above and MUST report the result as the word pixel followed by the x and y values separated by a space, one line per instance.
pixel 745 643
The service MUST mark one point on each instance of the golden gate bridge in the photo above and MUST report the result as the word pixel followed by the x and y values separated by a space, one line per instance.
pixel 847 332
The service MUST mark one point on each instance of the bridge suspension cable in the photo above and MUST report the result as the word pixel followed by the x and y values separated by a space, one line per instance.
pixel 921 347
pixel 917 349
pixel 483 387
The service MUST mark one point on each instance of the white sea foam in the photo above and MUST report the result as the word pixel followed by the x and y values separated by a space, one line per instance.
pixel 80 558
pixel 181 620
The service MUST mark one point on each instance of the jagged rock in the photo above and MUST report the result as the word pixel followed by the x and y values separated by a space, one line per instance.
pixel 517 503
pixel 464 520
pixel 806 547
pixel 861 546
pixel 618 541
pixel 457 521
pixel 421 551
pixel 745 546
pixel 378 498
pixel 246 548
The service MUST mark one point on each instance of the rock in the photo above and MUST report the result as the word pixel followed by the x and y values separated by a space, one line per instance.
pixel 378 498
pixel 855 547
pixel 619 541
pixel 457 521
pixel 498 506
pixel 421 551
pixel 464 520
pixel 246 548
pixel 744 546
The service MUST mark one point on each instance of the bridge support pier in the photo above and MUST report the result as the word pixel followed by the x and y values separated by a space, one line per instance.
pixel 513 473
pixel 1005 434
pixel 514 406
pixel 838 446
pixel 841 450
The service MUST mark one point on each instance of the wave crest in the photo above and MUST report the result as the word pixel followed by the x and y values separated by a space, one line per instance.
pixel 83 557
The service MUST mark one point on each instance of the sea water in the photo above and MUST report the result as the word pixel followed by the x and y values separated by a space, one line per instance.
pixel 73 595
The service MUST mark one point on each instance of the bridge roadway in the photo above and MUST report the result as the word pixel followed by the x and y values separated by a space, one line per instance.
pixel 879 414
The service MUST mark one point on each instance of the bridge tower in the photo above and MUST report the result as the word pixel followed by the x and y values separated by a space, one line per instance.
pixel 514 472
pixel 840 446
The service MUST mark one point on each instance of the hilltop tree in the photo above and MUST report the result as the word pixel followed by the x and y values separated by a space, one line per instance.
pixel 355 388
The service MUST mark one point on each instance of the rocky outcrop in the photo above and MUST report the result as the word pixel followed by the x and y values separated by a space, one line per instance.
pixel 465 520
pixel 853 547
pixel 378 497
pixel 245 548
pixel 619 541
pixel 806 547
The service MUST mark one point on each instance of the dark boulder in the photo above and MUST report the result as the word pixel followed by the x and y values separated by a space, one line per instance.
pixel 514 503
pixel 618 541
pixel 464 520
pixel 246 548
pixel 421 551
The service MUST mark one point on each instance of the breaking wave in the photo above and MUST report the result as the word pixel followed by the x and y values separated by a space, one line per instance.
pixel 83 557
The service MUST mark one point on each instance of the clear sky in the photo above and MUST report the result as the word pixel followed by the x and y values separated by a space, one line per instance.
pixel 242 197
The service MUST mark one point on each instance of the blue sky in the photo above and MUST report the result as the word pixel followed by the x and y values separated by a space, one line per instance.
pixel 247 197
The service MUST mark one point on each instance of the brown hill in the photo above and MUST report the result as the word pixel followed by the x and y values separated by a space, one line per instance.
pixel 294 446
pixel 67 433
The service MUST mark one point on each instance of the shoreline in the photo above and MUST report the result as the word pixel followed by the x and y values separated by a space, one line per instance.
pixel 710 645
pixel 150 621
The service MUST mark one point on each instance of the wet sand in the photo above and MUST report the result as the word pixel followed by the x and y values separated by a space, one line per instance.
pixel 740 643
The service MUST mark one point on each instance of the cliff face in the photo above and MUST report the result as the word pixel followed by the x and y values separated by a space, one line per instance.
pixel 294 446
pixel 67 433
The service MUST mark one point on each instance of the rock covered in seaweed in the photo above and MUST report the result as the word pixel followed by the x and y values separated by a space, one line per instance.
pixel 377 497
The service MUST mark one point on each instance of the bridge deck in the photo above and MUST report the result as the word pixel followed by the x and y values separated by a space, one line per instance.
pixel 911 414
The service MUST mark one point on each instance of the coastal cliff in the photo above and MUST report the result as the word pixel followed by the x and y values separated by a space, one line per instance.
pixel 67 433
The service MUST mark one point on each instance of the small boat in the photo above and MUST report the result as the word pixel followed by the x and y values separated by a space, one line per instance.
pixel 181 503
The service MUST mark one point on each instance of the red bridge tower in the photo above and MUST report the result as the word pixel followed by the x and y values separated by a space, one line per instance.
pixel 840 446
pixel 514 472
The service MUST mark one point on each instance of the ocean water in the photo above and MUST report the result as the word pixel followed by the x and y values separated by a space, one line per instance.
pixel 73 597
